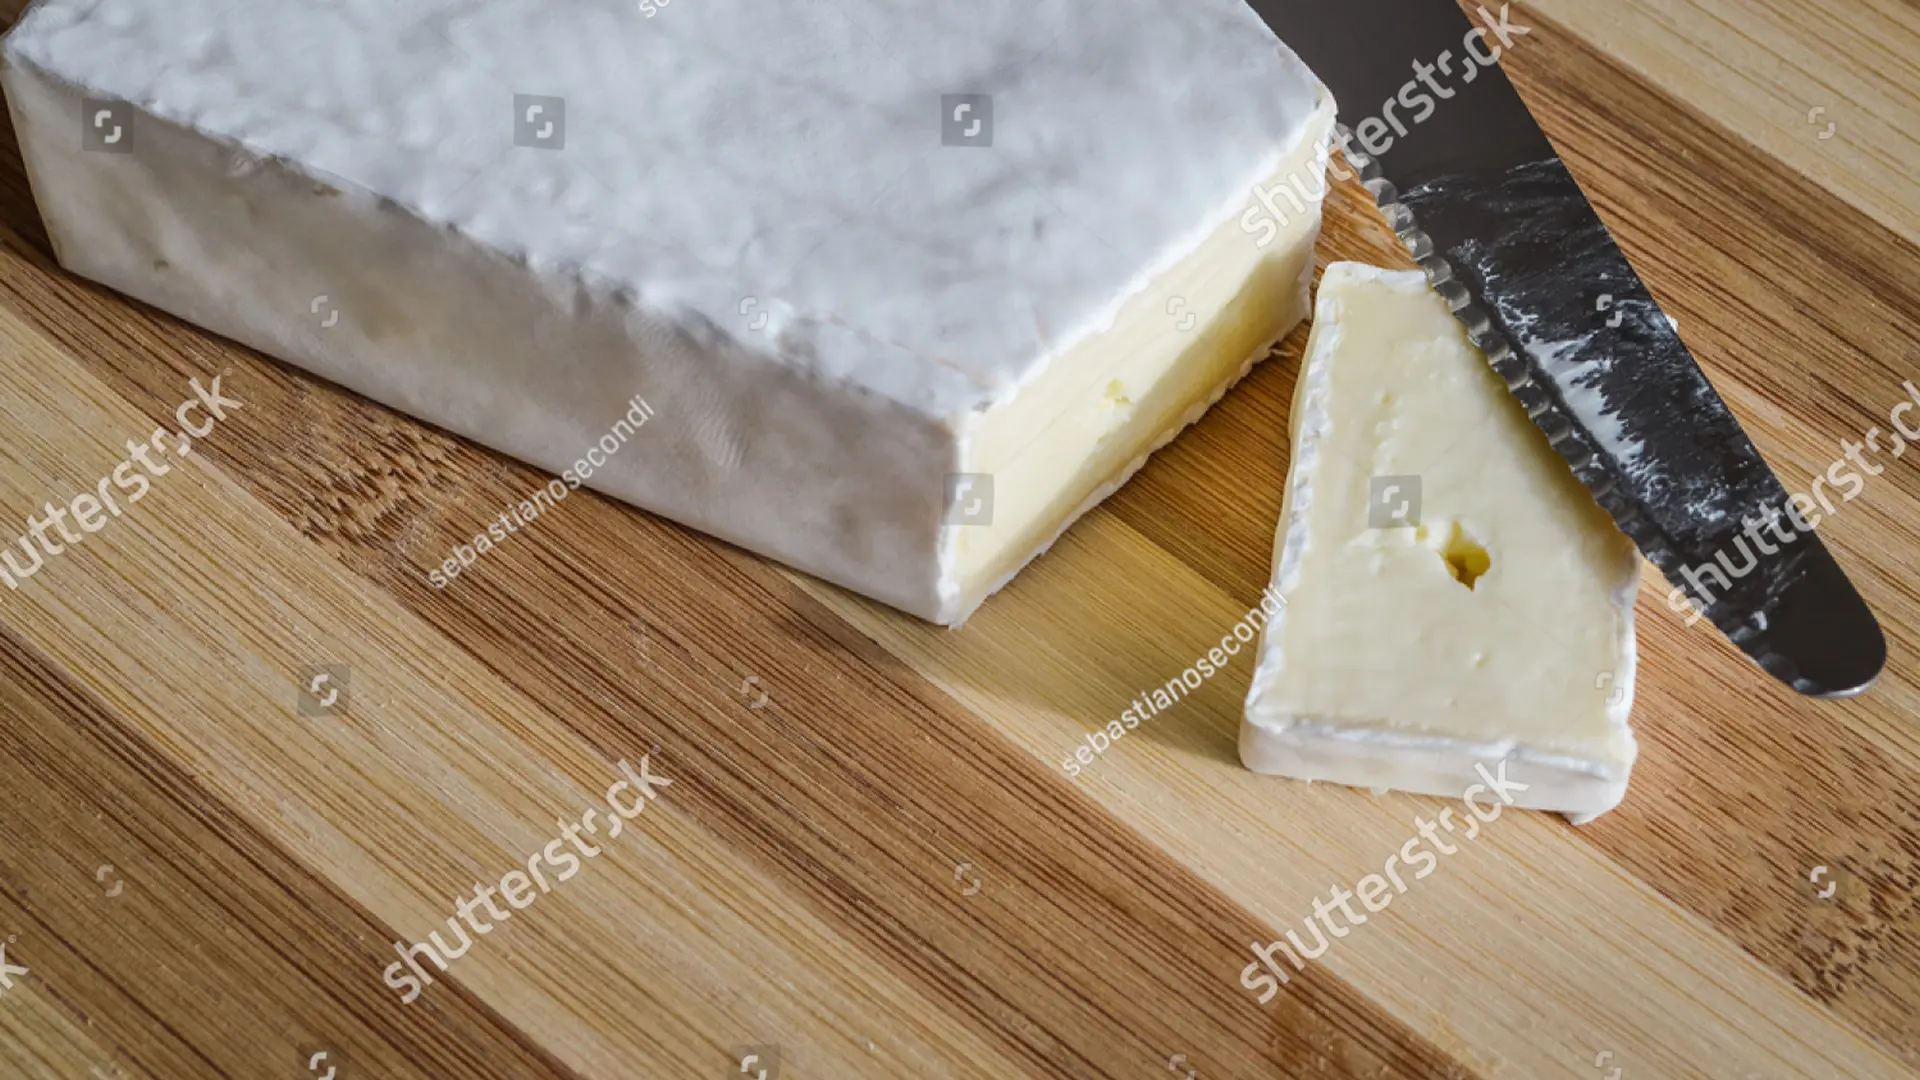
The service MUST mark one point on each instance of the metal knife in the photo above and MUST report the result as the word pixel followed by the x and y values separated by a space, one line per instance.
pixel 1481 199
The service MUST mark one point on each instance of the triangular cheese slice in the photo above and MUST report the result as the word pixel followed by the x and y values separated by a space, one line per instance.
pixel 1458 613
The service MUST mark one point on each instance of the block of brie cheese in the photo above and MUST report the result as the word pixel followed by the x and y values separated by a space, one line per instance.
pixel 908 287
pixel 1454 599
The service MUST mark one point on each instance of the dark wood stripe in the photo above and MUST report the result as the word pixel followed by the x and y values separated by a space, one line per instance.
pixel 839 810
pixel 1786 270
pixel 833 808
pixel 220 956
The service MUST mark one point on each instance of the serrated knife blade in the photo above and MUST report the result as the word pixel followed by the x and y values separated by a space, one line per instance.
pixel 1480 197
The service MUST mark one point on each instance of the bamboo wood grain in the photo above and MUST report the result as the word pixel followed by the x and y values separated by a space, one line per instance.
pixel 880 866
pixel 1761 67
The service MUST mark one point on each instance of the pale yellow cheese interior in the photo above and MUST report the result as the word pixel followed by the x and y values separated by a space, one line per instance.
pixel 1083 426
pixel 1503 619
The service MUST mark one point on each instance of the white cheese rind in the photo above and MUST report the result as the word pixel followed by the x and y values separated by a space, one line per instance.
pixel 363 152
pixel 1384 670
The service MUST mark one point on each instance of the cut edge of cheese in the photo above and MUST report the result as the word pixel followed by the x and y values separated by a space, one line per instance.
pixel 1183 342
pixel 1582 775
pixel 840 483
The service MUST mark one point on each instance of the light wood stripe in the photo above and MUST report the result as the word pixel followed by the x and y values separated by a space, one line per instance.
pixel 1759 67
pixel 451 775
pixel 1541 1003
pixel 798 884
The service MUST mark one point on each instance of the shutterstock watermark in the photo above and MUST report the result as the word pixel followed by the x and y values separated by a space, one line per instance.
pixel 89 508
pixel 1379 132
pixel 1778 526
pixel 517 887
pixel 515 518
pixel 1151 702
pixel 1376 891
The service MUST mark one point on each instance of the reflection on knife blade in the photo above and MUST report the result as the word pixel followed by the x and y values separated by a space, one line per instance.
pixel 1481 199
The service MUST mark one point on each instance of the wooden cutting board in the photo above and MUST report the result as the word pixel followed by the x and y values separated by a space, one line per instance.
pixel 869 862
